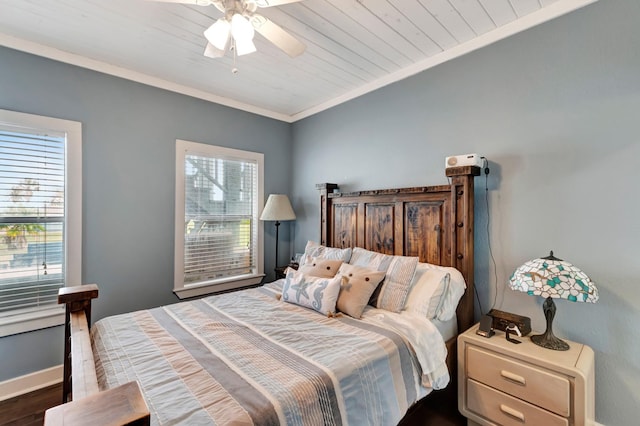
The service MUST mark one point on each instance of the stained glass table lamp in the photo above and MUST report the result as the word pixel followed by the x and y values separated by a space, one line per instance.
pixel 553 278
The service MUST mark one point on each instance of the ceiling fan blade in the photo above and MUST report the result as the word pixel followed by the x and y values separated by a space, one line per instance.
pixel 278 36
pixel 270 3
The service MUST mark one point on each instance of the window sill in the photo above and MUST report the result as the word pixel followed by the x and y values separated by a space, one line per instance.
pixel 31 321
pixel 210 287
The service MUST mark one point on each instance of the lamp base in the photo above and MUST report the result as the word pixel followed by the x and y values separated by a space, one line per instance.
pixel 550 341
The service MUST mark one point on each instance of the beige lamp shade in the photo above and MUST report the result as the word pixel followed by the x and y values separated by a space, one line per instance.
pixel 278 208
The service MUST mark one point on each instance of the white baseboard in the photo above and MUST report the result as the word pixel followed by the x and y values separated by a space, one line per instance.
pixel 30 382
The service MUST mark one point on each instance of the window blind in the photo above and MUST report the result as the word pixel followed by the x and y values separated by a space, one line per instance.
pixel 32 212
pixel 220 234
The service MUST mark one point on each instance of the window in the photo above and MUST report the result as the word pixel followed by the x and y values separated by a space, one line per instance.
pixel 40 218
pixel 218 240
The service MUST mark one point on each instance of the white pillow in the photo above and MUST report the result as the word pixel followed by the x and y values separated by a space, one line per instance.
pixel 315 250
pixel 317 293
pixel 436 291
pixel 427 289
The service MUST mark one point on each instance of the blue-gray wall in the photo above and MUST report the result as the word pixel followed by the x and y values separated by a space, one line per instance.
pixel 129 132
pixel 556 110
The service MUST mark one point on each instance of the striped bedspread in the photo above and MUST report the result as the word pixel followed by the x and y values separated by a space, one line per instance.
pixel 248 358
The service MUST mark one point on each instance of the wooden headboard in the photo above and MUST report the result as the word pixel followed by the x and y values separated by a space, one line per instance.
pixel 434 223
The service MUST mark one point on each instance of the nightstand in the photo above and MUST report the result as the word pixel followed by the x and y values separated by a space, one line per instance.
pixel 502 383
pixel 280 270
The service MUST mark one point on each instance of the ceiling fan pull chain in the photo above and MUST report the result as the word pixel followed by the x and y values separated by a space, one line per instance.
pixel 234 70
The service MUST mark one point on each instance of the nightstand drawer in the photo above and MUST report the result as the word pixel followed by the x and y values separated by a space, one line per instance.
pixel 536 385
pixel 506 410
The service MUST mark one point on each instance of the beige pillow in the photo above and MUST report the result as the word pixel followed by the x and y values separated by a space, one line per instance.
pixel 358 284
pixel 318 267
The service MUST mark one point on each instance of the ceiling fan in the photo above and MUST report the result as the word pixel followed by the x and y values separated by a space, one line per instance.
pixel 235 30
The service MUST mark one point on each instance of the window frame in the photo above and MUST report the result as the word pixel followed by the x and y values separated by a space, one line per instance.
pixel 54 315
pixel 181 289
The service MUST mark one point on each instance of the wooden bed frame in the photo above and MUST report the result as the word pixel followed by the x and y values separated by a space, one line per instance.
pixel 434 223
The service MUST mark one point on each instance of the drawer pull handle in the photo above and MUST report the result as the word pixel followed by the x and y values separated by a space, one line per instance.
pixel 513 377
pixel 513 413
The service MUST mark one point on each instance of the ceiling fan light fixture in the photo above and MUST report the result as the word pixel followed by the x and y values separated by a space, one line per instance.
pixel 213 52
pixel 244 47
pixel 235 31
pixel 242 32
pixel 241 28
pixel 218 34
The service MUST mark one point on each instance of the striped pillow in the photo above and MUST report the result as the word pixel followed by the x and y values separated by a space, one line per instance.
pixel 315 250
pixel 397 282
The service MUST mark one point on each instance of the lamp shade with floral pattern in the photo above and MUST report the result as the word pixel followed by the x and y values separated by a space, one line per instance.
pixel 553 278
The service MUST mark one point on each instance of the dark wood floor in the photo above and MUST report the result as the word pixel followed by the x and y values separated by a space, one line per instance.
pixel 440 408
pixel 28 409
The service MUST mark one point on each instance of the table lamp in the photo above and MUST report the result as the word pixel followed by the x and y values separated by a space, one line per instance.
pixel 277 208
pixel 553 278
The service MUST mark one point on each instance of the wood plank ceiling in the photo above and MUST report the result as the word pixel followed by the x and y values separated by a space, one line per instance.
pixel 353 46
